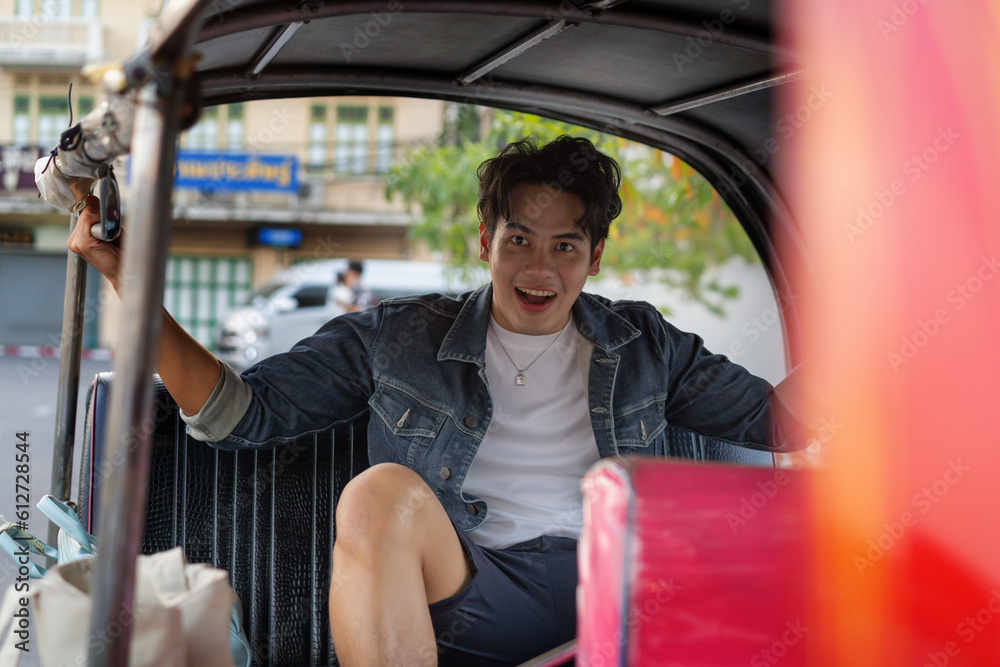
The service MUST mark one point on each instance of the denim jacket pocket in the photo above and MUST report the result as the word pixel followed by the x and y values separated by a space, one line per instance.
pixel 405 414
pixel 406 426
pixel 640 425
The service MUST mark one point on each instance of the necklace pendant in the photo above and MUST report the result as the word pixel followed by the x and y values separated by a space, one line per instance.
pixel 519 380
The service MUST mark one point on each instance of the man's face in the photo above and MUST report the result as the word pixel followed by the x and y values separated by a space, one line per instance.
pixel 539 260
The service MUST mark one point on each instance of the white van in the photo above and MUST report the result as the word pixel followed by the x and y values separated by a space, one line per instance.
pixel 295 303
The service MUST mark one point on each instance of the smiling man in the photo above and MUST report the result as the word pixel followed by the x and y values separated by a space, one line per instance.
pixel 541 257
pixel 458 545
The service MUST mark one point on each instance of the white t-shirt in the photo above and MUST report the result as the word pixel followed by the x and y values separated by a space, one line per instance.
pixel 539 443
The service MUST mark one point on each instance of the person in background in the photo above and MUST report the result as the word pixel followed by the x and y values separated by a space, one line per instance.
pixel 349 292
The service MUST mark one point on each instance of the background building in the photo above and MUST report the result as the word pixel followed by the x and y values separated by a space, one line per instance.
pixel 229 234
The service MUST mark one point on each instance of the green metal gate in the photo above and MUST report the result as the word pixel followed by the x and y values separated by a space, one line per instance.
pixel 200 291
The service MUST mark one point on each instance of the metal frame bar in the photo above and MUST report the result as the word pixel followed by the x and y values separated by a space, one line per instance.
pixel 70 352
pixel 728 92
pixel 224 86
pixel 130 423
pixel 615 116
pixel 274 46
pixel 508 53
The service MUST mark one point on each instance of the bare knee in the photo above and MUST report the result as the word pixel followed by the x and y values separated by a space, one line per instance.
pixel 384 504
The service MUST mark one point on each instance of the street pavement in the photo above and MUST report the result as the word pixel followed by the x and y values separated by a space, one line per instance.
pixel 28 390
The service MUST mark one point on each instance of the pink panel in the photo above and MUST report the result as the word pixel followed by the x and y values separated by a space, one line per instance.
pixel 716 559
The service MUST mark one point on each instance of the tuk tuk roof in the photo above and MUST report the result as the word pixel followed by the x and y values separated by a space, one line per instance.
pixel 693 77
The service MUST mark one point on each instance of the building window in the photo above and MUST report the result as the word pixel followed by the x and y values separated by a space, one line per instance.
pixel 205 134
pixel 385 139
pixel 316 157
pixel 56 9
pixel 53 118
pixel 235 126
pixel 22 120
pixel 351 150
pixel 84 105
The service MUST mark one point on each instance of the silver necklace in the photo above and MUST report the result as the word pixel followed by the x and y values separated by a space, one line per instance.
pixel 519 378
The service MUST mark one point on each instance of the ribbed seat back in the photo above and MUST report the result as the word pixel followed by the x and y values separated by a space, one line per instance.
pixel 266 516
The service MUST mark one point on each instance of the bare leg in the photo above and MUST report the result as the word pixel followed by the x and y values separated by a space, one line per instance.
pixel 396 552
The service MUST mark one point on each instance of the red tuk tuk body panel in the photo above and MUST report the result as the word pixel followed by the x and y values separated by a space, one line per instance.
pixel 694 565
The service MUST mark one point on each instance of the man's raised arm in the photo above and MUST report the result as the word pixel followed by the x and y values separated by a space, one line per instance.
pixel 188 370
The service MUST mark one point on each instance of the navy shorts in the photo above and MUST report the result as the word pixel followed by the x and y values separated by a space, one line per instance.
pixel 520 603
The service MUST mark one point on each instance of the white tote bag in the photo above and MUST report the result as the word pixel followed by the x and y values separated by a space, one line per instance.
pixel 181 615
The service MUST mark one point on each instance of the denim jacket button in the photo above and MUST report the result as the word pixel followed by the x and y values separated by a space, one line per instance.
pixel 599 411
pixel 470 422
pixel 445 473
pixel 471 509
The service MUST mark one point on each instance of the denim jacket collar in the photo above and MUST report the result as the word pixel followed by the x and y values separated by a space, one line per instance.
pixel 466 340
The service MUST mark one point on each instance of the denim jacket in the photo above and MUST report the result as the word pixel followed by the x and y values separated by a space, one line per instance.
pixel 417 365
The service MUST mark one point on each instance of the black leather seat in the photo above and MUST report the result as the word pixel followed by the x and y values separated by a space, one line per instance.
pixel 267 516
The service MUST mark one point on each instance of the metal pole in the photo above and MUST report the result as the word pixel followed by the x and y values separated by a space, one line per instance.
pixel 130 423
pixel 69 378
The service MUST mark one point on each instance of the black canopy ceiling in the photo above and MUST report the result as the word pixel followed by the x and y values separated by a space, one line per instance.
pixel 694 77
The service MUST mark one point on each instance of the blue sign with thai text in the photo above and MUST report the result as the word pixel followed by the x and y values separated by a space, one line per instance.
pixel 236 172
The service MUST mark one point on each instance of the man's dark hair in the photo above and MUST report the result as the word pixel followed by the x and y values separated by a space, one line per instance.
pixel 356 266
pixel 568 164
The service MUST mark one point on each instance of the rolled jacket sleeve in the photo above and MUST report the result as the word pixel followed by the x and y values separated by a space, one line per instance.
pixel 323 381
pixel 223 410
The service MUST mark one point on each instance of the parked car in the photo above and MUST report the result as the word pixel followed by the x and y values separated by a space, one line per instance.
pixel 297 302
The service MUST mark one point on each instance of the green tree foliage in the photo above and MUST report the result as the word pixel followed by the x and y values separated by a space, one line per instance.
pixel 671 219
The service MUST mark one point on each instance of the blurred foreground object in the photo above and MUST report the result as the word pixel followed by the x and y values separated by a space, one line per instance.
pixel 85 153
pixel 894 188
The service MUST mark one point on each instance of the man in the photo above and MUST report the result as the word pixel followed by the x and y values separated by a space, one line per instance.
pixel 485 411
pixel 349 292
